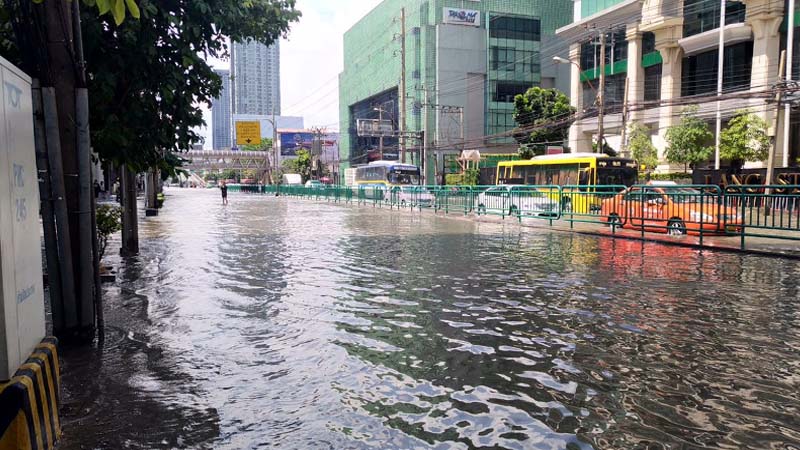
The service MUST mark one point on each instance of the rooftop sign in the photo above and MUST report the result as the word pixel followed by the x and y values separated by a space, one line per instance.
pixel 467 17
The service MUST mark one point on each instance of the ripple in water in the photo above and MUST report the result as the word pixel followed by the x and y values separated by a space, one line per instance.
pixel 293 324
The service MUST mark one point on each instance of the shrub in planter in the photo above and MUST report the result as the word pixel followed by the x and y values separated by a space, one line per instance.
pixel 109 221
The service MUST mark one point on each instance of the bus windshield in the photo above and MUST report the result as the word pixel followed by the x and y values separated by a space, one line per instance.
pixel 404 177
pixel 617 176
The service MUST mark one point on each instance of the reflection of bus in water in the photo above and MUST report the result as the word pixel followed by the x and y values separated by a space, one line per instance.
pixel 597 176
pixel 379 179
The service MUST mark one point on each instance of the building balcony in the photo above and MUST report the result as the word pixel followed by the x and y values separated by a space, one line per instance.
pixel 709 40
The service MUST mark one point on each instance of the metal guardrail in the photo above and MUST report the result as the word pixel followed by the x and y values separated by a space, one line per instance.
pixel 771 212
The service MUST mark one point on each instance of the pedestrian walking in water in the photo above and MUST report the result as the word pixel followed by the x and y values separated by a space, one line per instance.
pixel 224 189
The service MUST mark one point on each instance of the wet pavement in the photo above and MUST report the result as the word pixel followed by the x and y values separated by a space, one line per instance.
pixel 273 323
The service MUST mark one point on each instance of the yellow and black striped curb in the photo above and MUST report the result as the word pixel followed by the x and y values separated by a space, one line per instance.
pixel 29 402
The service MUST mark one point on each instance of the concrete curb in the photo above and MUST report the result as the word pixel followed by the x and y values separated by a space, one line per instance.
pixel 29 413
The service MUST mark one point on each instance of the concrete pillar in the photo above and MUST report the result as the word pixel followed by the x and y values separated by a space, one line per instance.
pixel 672 56
pixel 766 60
pixel 635 71
pixel 578 142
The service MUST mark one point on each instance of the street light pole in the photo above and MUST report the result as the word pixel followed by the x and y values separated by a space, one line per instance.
pixel 720 73
pixel 380 123
pixel 601 97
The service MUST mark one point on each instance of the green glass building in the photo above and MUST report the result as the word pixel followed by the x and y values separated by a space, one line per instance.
pixel 465 62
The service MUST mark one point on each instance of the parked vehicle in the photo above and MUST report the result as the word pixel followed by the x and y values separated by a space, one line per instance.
pixel 513 200
pixel 314 184
pixel 292 179
pixel 411 195
pixel 667 207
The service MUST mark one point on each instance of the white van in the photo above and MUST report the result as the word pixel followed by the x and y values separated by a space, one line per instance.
pixel 292 179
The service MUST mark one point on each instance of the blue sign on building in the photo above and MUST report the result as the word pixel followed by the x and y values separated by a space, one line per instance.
pixel 292 142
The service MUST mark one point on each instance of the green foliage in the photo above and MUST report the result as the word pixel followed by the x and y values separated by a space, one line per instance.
pixel 263 146
pixel 149 78
pixel 109 221
pixel 687 142
pixel 472 177
pixel 454 179
pixel 547 110
pixel 301 164
pixel 677 177
pixel 526 152
pixel 641 146
pixel 117 8
pixel 229 174
pixel 745 138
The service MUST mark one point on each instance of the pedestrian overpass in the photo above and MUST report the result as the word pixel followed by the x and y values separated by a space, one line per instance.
pixel 215 160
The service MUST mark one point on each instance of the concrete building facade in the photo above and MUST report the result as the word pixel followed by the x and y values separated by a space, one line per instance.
pixel 221 123
pixel 256 78
pixel 465 62
pixel 667 53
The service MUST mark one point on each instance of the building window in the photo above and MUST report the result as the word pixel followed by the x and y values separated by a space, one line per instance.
pixel 652 83
pixel 505 91
pixel 520 28
pixel 700 71
pixel 616 50
pixel 615 92
pixel 700 16
pixel 510 60
pixel 501 120
pixel 648 42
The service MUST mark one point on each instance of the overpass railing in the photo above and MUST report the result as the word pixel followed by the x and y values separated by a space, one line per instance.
pixel 765 212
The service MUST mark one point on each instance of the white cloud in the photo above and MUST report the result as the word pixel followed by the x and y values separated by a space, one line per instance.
pixel 311 60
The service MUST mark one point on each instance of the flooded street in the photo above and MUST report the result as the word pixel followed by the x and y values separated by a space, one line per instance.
pixel 292 324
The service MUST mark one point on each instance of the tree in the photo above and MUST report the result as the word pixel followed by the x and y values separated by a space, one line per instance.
pixel 526 152
pixel 745 139
pixel 153 88
pixel 687 142
pixel 546 111
pixel 109 221
pixel 263 146
pixel 301 164
pixel 641 146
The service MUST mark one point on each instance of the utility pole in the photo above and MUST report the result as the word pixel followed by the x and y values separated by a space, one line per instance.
pixel 624 144
pixel 424 155
pixel 275 153
pixel 380 139
pixel 720 67
pixel 601 95
pixel 402 85
pixel 774 144
pixel 787 112
pixel 67 103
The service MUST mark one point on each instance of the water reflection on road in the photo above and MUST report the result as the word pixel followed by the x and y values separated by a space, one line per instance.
pixel 293 324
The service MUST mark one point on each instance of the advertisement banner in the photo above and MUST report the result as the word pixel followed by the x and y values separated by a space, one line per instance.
pixel 458 16
pixel 292 142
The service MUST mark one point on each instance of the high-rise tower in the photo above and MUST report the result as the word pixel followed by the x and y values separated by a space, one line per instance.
pixel 221 114
pixel 256 78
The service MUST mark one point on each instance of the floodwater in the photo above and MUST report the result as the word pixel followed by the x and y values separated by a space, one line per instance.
pixel 275 323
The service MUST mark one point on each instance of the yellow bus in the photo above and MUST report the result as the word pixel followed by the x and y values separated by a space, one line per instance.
pixel 587 178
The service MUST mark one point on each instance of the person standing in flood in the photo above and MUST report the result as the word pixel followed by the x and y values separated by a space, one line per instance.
pixel 223 187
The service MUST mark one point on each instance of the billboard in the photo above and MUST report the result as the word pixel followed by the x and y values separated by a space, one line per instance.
pixel 462 17
pixel 291 142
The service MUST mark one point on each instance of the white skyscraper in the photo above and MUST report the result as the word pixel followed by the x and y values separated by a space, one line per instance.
pixel 221 114
pixel 256 78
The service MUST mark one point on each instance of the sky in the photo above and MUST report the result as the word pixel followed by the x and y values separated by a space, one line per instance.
pixel 311 60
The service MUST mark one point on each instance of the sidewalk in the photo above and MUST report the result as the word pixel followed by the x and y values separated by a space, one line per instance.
pixel 778 246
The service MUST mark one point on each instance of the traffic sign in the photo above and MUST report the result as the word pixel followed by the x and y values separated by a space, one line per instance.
pixel 375 128
pixel 248 133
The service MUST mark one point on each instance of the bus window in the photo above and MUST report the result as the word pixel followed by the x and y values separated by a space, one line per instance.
pixel 585 179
